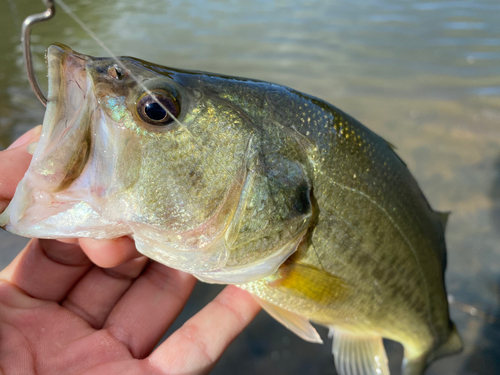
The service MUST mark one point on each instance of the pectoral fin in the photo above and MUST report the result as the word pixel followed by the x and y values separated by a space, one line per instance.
pixel 294 322
pixel 359 354
pixel 310 283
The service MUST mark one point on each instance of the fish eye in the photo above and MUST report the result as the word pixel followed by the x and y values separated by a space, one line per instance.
pixel 153 110
pixel 116 71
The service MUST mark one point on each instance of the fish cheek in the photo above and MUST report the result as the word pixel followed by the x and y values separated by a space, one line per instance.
pixel 128 163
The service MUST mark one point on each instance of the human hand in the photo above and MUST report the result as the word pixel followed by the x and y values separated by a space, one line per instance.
pixel 99 307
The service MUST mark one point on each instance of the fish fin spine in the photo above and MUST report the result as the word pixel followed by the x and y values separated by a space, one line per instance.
pixel 356 354
pixel 443 216
pixel 390 145
pixel 296 323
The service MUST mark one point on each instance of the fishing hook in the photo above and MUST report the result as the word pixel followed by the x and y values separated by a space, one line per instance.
pixel 25 40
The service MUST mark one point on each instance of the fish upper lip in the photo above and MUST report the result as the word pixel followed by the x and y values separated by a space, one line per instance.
pixel 63 66
pixel 58 49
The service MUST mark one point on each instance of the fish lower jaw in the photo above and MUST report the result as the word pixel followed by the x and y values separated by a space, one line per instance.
pixel 36 213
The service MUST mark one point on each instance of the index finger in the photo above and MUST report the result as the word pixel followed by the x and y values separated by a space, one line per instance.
pixel 14 161
pixel 196 347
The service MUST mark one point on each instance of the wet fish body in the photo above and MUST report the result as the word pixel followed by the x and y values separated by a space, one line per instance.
pixel 253 184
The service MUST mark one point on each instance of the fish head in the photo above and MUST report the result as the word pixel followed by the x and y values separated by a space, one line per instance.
pixel 181 161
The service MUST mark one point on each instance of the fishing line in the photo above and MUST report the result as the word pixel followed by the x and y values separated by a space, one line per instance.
pixel 471 310
pixel 14 12
pixel 67 9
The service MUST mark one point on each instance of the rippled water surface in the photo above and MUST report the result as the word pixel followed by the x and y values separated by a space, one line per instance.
pixel 423 74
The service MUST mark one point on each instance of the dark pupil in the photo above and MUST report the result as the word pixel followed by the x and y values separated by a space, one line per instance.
pixel 119 73
pixel 155 112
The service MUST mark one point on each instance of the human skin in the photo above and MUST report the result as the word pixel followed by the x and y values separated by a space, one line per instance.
pixel 86 306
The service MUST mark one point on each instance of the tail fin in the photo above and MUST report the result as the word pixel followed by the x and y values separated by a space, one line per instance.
pixel 416 366
pixel 451 346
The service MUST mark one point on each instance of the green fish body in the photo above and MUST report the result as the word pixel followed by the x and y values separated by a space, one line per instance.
pixel 250 183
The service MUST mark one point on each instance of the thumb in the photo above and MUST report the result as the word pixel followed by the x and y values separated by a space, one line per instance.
pixel 14 162
pixel 28 137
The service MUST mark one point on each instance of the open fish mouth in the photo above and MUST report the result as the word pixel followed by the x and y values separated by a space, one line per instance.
pixel 65 141
pixel 46 198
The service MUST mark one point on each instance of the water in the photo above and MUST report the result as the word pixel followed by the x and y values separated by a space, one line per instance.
pixel 423 74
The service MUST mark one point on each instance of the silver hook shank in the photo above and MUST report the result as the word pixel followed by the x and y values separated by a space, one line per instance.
pixel 25 40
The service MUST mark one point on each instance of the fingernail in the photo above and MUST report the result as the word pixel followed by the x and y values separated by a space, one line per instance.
pixel 27 137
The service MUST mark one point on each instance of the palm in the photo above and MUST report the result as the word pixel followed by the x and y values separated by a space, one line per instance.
pixel 57 341
pixel 61 313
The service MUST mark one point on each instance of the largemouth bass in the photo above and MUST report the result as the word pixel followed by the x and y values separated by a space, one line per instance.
pixel 238 181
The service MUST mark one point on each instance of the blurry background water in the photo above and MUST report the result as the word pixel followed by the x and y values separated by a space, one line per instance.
pixel 423 74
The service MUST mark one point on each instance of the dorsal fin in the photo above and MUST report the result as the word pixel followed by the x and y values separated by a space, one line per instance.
pixel 443 216
pixel 391 146
pixel 393 149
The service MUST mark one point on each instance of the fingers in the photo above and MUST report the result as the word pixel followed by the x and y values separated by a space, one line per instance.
pixel 197 346
pixel 99 290
pixel 13 164
pixel 149 307
pixel 109 253
pixel 47 269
